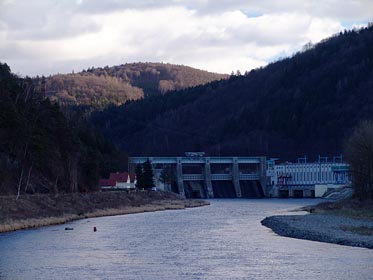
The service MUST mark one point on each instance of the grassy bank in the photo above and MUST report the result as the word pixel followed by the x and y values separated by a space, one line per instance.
pixel 41 210
pixel 351 208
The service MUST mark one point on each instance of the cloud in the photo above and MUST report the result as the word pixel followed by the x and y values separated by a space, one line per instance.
pixel 43 19
pixel 44 36
pixel 336 9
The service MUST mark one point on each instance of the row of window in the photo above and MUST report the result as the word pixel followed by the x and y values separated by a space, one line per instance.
pixel 322 176
pixel 316 177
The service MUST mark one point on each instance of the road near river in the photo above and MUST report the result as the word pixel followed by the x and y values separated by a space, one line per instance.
pixel 222 241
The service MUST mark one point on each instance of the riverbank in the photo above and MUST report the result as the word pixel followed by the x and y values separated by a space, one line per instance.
pixel 32 211
pixel 347 222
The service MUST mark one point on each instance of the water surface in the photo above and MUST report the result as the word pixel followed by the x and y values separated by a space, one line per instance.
pixel 222 241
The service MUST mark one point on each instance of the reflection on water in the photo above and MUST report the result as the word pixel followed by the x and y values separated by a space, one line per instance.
pixel 221 241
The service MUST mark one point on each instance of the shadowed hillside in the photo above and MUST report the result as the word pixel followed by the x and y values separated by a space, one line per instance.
pixel 307 103
pixel 43 150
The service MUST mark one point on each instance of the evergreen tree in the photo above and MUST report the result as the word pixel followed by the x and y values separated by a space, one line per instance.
pixel 148 174
pixel 167 177
pixel 139 177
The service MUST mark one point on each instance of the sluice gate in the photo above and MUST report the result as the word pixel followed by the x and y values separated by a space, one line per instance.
pixel 209 177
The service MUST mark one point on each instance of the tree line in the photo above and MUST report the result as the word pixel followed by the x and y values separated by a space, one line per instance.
pixel 44 150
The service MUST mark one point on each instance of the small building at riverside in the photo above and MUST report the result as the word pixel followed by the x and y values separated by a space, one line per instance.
pixel 307 179
pixel 118 181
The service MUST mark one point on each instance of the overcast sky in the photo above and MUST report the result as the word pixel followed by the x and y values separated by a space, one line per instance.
pixel 42 37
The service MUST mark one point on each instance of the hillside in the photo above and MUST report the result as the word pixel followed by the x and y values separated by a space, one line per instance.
pixel 90 89
pixel 41 149
pixel 99 87
pixel 305 104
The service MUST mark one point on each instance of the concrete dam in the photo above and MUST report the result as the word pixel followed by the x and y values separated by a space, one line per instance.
pixel 209 177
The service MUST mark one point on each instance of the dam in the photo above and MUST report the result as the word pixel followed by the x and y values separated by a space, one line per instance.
pixel 209 177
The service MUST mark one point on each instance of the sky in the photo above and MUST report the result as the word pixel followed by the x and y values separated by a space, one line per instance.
pixel 43 37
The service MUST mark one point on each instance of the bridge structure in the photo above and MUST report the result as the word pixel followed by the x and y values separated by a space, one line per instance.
pixel 208 171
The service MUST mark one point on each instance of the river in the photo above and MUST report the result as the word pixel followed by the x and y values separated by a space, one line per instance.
pixel 222 241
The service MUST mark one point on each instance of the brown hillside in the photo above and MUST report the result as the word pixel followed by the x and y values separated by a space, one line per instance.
pixel 116 85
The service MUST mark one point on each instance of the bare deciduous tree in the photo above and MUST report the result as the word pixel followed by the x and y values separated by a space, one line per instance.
pixel 359 153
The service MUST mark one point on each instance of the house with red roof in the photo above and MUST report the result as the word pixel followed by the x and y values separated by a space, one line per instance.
pixel 118 181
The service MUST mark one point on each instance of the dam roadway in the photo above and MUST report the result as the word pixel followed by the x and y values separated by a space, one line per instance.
pixel 210 177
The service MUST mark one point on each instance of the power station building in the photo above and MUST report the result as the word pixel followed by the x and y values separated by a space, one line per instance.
pixel 303 179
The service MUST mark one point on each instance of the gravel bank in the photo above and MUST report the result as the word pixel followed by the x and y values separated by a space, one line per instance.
pixel 323 228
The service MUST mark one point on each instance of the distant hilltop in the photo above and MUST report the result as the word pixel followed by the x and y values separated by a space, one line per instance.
pixel 102 86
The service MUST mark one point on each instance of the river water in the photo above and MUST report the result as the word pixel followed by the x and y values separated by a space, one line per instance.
pixel 222 241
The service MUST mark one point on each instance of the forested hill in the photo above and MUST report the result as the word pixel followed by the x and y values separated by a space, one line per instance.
pixel 99 87
pixel 41 149
pixel 305 104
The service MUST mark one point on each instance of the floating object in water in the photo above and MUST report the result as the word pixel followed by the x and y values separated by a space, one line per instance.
pixel 94 229
pixel 69 228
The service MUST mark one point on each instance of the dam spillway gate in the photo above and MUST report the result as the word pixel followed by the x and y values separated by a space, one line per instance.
pixel 210 177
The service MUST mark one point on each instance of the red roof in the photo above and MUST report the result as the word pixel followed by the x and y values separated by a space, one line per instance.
pixel 118 177
pixel 107 183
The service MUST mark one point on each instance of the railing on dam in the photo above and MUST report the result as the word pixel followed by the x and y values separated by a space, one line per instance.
pixel 249 177
pixel 201 177
pixel 193 177
pixel 201 160
pixel 220 177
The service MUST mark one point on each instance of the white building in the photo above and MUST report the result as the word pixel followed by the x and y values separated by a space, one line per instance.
pixel 118 181
pixel 303 176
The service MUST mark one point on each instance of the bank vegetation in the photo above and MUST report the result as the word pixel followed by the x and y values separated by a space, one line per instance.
pixel 37 210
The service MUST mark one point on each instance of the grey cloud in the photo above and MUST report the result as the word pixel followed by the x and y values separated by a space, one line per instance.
pixel 42 19
pixel 108 6
pixel 56 20
pixel 56 29
pixel 343 10
pixel 346 10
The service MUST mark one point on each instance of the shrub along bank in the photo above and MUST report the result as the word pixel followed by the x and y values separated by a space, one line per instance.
pixel 40 210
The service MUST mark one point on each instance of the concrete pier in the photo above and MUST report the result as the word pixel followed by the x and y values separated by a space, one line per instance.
pixel 263 175
pixel 210 192
pixel 179 176
pixel 236 178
